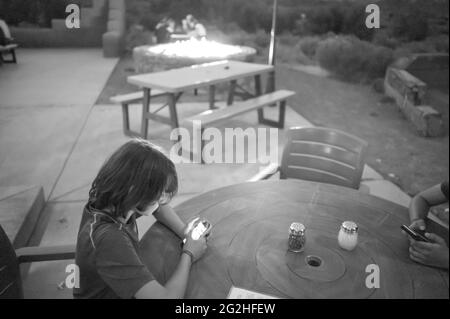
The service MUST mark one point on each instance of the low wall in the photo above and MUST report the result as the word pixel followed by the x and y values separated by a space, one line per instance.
pixel 409 92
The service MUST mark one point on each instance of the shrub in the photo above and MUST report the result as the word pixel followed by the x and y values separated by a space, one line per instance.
pixel 291 55
pixel 323 20
pixel 261 39
pixel 383 38
pixel 37 12
pixel 410 26
pixel 352 59
pixel 354 22
pixel 378 85
pixel 287 39
pixel 137 36
pixel 308 45
pixel 342 18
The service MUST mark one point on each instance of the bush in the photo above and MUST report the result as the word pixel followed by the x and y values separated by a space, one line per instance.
pixel 308 45
pixel 352 59
pixel 378 85
pixel 354 22
pixel 137 36
pixel 36 12
pixel 291 55
pixel 323 20
pixel 342 18
pixel 383 38
pixel 410 26
pixel 288 39
pixel 261 39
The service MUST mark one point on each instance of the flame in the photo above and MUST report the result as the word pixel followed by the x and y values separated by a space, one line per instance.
pixel 196 49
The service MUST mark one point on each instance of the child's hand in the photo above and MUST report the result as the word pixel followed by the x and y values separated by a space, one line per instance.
pixel 196 246
pixel 418 224
pixel 191 225
pixel 434 253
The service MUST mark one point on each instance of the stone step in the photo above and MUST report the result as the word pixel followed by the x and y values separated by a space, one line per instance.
pixel 20 208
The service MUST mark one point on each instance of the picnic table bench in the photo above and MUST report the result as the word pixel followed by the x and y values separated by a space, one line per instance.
pixel 8 49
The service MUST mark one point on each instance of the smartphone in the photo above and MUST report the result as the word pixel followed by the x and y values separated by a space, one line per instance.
pixel 414 234
pixel 201 229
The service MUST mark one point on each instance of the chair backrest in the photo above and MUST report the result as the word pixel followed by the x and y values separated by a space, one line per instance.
pixel 10 280
pixel 323 155
pixel 4 27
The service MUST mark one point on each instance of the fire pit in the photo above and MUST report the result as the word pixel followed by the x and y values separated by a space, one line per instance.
pixel 185 53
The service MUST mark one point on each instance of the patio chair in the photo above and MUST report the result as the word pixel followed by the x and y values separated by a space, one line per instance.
pixel 10 259
pixel 321 155
pixel 7 44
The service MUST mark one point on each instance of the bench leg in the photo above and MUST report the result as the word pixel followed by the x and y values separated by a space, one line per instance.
pixel 231 92
pixel 171 101
pixel 212 97
pixel 281 117
pixel 202 145
pixel 145 111
pixel 125 119
pixel 258 92
pixel 126 122
pixel 282 114
pixel 14 59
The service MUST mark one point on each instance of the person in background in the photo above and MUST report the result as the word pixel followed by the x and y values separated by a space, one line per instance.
pixel 187 24
pixel 137 180
pixel 435 253
pixel 199 30
pixel 164 30
pixel 193 28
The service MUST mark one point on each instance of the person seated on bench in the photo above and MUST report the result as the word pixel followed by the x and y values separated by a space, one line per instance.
pixel 137 180
pixel 164 29
pixel 193 28
pixel 5 35
pixel 436 252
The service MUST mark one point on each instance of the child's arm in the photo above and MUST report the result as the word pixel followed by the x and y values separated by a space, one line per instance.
pixel 166 215
pixel 175 286
pixel 421 203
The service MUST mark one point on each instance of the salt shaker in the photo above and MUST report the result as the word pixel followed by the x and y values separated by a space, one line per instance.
pixel 297 237
pixel 348 235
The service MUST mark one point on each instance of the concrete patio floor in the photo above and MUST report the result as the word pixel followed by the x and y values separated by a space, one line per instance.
pixel 52 135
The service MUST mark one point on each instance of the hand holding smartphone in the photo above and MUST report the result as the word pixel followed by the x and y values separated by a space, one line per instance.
pixel 202 228
pixel 414 234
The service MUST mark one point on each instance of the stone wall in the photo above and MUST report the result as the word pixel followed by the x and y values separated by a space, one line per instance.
pixel 409 93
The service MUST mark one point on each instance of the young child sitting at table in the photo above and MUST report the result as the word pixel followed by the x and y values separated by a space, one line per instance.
pixel 138 179
pixel 435 253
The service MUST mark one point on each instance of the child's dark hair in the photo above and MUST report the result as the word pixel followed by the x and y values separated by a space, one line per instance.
pixel 137 174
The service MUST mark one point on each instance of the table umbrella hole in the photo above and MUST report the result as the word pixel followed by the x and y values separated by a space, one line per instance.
pixel 313 261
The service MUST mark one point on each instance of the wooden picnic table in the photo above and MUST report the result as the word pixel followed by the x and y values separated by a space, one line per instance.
pixel 247 247
pixel 177 81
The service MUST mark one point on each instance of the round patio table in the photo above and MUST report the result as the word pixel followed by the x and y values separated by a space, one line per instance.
pixel 247 247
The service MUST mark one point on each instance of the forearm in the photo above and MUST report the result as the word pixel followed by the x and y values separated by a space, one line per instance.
pixel 418 208
pixel 169 217
pixel 421 203
pixel 176 285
